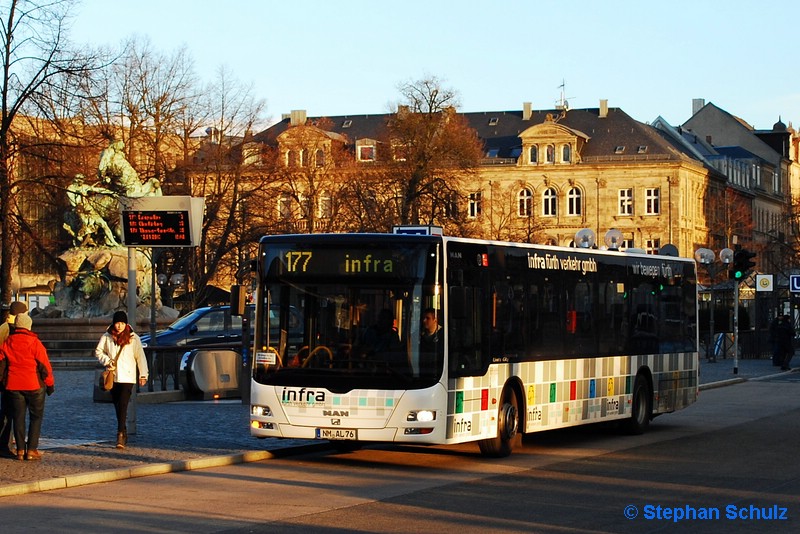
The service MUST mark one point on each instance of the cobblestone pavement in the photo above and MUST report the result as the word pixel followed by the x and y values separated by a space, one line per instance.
pixel 78 434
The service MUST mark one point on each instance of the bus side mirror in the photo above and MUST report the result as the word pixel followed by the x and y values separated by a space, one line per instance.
pixel 238 298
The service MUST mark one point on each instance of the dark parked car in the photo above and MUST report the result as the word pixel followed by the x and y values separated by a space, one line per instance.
pixel 214 324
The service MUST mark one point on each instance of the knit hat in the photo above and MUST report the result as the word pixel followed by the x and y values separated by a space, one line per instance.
pixel 120 317
pixel 23 320
pixel 17 307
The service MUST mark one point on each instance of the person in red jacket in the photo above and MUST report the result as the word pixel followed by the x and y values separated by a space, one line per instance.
pixel 26 384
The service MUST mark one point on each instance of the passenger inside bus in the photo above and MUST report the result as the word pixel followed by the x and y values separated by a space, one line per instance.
pixel 380 342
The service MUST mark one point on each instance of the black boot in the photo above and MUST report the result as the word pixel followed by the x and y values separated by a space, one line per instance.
pixel 121 440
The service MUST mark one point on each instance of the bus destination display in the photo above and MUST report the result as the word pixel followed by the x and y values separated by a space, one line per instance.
pixel 156 228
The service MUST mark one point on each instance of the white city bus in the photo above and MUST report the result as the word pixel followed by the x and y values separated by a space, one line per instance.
pixel 532 338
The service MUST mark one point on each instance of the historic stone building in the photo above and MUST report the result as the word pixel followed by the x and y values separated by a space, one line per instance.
pixel 548 174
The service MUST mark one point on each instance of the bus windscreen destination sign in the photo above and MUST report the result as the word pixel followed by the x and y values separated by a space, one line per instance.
pixel 156 228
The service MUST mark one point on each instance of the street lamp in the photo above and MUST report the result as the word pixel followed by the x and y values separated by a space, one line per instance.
pixel 707 259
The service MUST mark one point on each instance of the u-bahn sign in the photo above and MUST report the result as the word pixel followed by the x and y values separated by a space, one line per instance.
pixel 172 221
pixel 794 283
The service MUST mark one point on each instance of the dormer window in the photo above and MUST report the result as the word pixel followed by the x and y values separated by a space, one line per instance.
pixel 492 152
pixel 619 149
pixel 493 121
pixel 366 153
pixel 641 149
pixel 347 123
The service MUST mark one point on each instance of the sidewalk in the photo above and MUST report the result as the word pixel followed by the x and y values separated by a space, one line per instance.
pixel 78 435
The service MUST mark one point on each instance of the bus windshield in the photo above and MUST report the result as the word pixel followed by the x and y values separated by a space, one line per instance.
pixel 344 319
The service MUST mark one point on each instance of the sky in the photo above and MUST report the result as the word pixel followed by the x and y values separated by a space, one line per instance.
pixel 342 57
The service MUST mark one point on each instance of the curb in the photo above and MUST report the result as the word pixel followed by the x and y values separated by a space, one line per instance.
pixel 112 475
pixel 739 380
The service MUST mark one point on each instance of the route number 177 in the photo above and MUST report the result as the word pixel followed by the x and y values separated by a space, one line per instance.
pixel 297 261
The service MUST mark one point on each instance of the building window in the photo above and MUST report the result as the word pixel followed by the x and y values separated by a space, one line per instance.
pixel 525 203
pixel 550 156
pixel 475 204
pixel 304 158
pixel 625 202
pixel 651 201
pixel 325 206
pixel 534 154
pixel 492 152
pixel 566 154
pixel 285 206
pixel 574 202
pixel 319 158
pixel 626 244
pixel 651 246
pixel 451 205
pixel 366 153
pixel 291 158
pixel 549 202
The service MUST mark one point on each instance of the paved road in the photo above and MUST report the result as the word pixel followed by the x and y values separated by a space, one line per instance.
pixel 716 454
pixel 78 433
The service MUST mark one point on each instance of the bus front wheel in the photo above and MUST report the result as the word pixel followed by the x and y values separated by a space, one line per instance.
pixel 641 406
pixel 507 428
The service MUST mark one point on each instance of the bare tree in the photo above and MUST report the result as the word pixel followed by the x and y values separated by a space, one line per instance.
pixel 231 174
pixel 432 150
pixel 36 65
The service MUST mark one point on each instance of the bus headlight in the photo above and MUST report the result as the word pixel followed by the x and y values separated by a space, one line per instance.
pixel 260 411
pixel 421 416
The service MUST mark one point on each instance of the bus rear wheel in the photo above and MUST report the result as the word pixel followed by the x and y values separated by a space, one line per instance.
pixel 641 407
pixel 507 428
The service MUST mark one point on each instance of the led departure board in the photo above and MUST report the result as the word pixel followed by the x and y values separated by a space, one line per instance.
pixel 156 228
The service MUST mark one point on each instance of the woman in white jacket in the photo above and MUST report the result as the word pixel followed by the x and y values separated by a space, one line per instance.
pixel 120 349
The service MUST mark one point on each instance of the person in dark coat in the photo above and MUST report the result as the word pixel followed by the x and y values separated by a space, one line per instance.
pixel 784 339
pixel 27 385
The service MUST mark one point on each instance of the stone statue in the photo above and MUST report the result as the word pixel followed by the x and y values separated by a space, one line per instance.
pixel 115 170
pixel 90 205
pixel 95 270
pixel 95 216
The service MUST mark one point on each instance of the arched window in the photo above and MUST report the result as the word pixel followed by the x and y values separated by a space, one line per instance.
pixel 524 202
pixel 574 206
pixel 291 158
pixel 551 154
pixel 549 202
pixel 304 158
pixel 566 154
pixel 534 154
pixel 320 158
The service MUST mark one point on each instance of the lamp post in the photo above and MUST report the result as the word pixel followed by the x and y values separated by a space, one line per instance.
pixel 707 259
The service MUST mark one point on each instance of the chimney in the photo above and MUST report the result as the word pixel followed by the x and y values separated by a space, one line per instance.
pixel 697 104
pixel 298 117
pixel 603 108
pixel 526 111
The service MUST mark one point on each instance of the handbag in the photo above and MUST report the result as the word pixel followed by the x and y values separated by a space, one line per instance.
pixel 107 376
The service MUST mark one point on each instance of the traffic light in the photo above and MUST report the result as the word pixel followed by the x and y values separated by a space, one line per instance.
pixel 742 263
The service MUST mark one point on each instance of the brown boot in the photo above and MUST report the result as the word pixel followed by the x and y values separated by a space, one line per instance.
pixel 33 455
pixel 120 440
pixel 20 455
